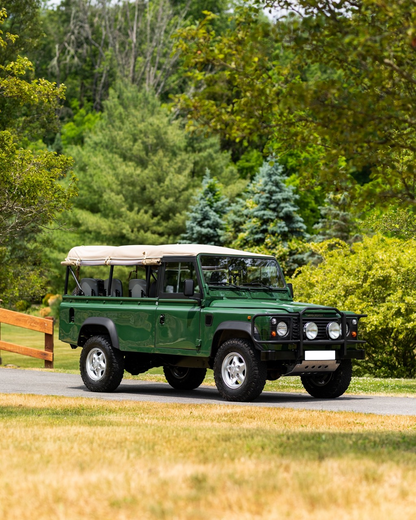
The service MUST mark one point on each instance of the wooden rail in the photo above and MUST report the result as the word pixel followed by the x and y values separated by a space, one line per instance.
pixel 25 321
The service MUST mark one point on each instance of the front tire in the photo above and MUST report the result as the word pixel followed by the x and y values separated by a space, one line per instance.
pixel 182 378
pixel 101 366
pixel 239 374
pixel 329 385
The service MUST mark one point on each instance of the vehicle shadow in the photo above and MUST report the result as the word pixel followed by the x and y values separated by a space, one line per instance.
pixel 153 391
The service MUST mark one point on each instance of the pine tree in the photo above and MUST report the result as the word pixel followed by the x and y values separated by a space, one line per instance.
pixel 205 224
pixel 336 220
pixel 269 209
pixel 134 173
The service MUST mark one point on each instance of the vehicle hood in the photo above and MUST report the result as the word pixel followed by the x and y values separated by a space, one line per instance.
pixel 266 306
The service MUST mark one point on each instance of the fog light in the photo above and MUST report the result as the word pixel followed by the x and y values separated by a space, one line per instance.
pixel 334 330
pixel 311 330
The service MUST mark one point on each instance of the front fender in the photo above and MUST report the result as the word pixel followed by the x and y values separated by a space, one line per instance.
pixel 229 329
pixel 234 325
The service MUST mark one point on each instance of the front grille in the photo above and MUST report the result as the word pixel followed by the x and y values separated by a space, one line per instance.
pixel 295 330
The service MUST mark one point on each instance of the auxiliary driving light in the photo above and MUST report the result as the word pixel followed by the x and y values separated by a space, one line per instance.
pixel 311 330
pixel 334 330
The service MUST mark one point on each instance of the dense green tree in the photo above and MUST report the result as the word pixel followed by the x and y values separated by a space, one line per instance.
pixel 35 185
pixel 205 224
pixel 22 277
pixel 333 80
pixel 206 153
pixel 336 219
pixel 134 173
pixel 269 209
pixel 137 176
pixel 227 71
pixel 24 21
pixel 89 45
pixel 31 191
pixel 84 119
pixel 376 277
pixel 397 222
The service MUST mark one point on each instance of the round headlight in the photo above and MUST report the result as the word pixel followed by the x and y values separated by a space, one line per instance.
pixel 281 329
pixel 311 330
pixel 334 330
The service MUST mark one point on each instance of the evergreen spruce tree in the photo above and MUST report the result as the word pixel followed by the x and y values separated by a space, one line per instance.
pixel 205 224
pixel 336 221
pixel 269 210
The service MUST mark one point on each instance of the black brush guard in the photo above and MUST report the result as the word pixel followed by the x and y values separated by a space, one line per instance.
pixel 295 334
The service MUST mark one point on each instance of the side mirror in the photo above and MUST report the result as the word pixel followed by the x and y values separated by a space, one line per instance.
pixel 189 288
pixel 290 287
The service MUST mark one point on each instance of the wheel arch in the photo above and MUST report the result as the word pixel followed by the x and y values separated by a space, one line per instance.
pixel 228 330
pixel 98 326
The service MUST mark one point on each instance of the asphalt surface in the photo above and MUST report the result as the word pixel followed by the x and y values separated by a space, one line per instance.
pixel 15 381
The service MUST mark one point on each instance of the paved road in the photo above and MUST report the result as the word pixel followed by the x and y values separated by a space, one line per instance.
pixel 14 381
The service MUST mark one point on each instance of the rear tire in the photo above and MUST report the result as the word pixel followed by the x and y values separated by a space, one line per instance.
pixel 101 366
pixel 238 371
pixel 182 378
pixel 329 385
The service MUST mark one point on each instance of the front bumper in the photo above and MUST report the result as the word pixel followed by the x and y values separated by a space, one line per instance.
pixel 293 356
pixel 345 347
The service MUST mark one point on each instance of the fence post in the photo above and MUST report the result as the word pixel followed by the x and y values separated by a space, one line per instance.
pixel 49 345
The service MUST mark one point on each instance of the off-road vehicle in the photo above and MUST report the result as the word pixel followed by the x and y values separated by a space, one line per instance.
pixel 188 308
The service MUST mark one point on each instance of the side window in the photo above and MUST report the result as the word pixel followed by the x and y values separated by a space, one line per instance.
pixel 175 275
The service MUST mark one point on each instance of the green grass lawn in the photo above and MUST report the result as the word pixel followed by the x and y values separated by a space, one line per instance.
pixel 67 359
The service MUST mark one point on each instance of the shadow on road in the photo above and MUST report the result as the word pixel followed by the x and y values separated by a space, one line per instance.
pixel 162 391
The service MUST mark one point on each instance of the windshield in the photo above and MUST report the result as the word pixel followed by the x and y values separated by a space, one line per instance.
pixel 229 271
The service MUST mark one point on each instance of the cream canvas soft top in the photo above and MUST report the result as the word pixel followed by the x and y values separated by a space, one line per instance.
pixel 142 255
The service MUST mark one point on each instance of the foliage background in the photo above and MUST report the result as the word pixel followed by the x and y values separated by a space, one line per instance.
pixel 112 113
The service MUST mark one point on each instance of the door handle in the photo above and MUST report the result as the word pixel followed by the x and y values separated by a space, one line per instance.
pixel 162 319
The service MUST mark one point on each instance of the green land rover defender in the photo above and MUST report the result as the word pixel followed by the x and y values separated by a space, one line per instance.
pixel 188 308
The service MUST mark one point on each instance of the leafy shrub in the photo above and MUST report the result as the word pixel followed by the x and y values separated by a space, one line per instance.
pixel 54 303
pixel 51 304
pixel 22 305
pixel 45 311
pixel 46 298
pixel 376 277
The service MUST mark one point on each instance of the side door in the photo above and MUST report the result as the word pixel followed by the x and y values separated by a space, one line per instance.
pixel 178 317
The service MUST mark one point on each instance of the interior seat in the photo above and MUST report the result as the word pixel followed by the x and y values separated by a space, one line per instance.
pixel 92 286
pixel 116 287
pixel 137 288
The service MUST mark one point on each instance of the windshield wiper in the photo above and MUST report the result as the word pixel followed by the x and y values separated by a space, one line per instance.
pixel 225 284
pixel 259 285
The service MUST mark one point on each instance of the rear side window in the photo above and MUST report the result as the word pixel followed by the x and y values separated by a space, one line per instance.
pixel 174 277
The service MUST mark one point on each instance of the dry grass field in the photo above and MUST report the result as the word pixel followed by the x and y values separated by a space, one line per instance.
pixel 74 459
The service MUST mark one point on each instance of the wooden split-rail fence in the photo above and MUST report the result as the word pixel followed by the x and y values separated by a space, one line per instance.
pixel 25 321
